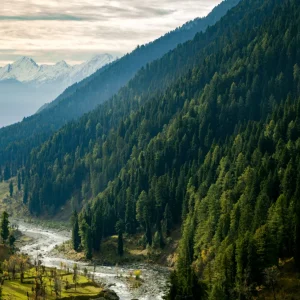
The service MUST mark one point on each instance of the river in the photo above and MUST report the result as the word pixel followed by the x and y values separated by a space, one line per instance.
pixel 44 240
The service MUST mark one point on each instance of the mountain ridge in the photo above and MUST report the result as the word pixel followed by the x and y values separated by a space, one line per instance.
pixel 26 86
pixel 26 70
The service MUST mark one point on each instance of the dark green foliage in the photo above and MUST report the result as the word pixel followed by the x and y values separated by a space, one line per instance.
pixel 168 220
pixel 25 193
pixel 198 289
pixel 88 245
pixel 4 226
pixel 120 230
pixel 19 181
pixel 75 231
pixel 86 232
pixel 86 239
pixel 11 188
pixel 6 172
pixel 11 240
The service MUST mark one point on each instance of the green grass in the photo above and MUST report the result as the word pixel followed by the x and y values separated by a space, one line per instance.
pixel 4 189
pixel 13 205
pixel 14 289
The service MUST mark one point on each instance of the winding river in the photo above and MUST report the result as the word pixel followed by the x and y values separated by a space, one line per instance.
pixel 44 240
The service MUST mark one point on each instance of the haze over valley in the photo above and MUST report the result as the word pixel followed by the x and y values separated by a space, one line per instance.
pixel 26 86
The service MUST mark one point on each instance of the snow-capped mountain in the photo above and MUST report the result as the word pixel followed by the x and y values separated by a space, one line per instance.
pixel 26 70
pixel 25 86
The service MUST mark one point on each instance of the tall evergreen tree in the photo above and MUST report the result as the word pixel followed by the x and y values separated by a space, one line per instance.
pixel 6 173
pixel 75 231
pixel 4 227
pixel 25 193
pixel 11 188
pixel 19 181
pixel 88 244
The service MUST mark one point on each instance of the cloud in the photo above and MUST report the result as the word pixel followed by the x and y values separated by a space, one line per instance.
pixel 41 17
pixel 77 29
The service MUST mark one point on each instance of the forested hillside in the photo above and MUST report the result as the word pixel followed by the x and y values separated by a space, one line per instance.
pixel 241 207
pixel 214 148
pixel 80 160
pixel 18 140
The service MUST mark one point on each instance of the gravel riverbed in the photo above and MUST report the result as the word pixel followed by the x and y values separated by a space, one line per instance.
pixel 41 242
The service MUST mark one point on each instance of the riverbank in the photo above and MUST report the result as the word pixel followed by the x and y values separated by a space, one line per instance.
pixel 42 241
pixel 133 251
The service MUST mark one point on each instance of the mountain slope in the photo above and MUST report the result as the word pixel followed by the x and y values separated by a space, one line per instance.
pixel 85 95
pixel 84 155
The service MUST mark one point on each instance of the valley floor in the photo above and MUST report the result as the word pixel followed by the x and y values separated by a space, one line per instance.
pixel 40 242
pixel 85 289
pixel 133 252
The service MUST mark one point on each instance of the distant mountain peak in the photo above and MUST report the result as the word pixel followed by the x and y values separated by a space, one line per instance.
pixel 101 56
pixel 25 69
pixel 25 60
pixel 62 63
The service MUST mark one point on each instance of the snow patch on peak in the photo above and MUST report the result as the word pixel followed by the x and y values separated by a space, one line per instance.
pixel 25 60
pixel 25 69
pixel 91 66
pixel 62 64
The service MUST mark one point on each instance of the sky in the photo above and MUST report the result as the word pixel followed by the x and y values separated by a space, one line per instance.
pixel 75 30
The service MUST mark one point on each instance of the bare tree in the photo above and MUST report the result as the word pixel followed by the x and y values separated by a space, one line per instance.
pixel 57 286
pixel 75 275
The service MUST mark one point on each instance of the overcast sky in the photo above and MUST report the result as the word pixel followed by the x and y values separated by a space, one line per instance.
pixel 75 30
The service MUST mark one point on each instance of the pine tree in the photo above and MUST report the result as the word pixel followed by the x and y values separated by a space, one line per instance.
pixel 130 213
pixel 97 229
pixel 11 188
pixel 168 220
pixel 19 181
pixel 25 195
pixel 4 227
pixel 75 231
pixel 11 240
pixel 6 173
pixel 23 176
pixel 88 244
